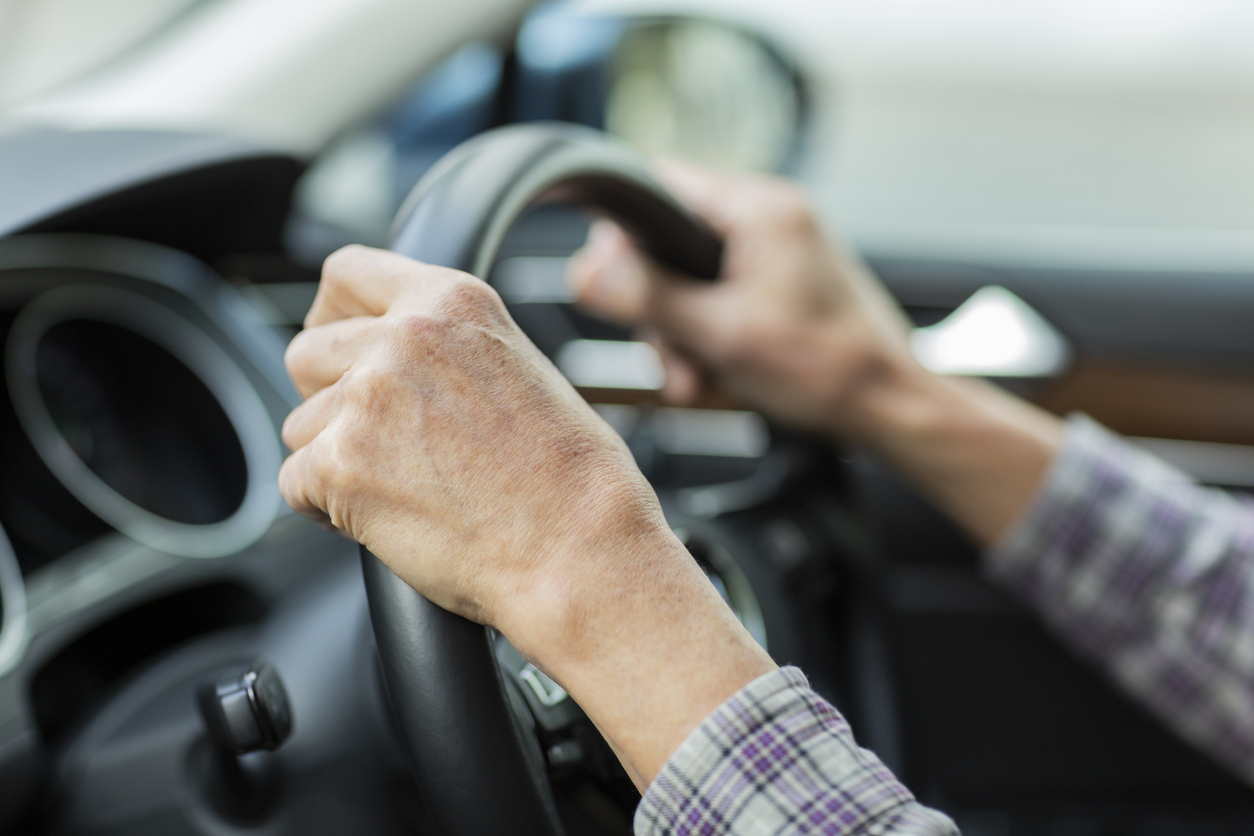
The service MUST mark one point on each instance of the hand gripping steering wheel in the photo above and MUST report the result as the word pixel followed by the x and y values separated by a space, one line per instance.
pixel 479 769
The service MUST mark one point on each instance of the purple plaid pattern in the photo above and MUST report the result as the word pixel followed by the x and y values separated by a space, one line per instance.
pixel 1129 559
pixel 1151 575
pixel 777 758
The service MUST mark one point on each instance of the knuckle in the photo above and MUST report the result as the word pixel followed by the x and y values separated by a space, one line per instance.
pixel 367 384
pixel 428 332
pixel 416 333
pixel 470 299
pixel 790 206
pixel 330 464
pixel 342 263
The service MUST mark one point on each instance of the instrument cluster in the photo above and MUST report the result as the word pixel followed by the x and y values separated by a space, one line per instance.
pixel 129 412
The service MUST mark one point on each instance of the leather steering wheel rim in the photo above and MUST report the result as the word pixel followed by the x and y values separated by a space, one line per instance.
pixel 479 771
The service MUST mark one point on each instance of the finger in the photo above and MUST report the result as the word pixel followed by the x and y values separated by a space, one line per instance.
pixel 712 195
pixel 684 380
pixel 363 281
pixel 305 422
pixel 318 357
pixel 608 277
pixel 696 319
pixel 299 496
pixel 612 280
pixel 300 487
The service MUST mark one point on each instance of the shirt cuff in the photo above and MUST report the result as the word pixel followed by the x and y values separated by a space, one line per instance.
pixel 777 758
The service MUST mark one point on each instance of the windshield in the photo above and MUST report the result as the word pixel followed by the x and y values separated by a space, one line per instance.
pixel 45 43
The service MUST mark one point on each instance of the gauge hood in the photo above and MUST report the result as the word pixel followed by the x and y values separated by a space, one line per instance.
pixel 81 180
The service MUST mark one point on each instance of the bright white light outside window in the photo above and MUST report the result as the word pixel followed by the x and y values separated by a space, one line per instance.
pixel 992 334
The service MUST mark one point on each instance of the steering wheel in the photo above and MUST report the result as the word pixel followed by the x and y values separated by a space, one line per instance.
pixel 478 766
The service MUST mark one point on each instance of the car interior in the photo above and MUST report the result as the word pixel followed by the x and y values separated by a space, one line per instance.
pixel 152 274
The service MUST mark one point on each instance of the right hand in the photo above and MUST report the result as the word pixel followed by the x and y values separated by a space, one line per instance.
pixel 796 327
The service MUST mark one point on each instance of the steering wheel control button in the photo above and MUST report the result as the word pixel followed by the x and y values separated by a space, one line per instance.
pixel 248 712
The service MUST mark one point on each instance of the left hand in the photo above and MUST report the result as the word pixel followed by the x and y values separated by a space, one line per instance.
pixel 435 434
pixel 438 436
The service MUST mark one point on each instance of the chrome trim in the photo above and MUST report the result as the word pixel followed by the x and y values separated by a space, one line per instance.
pixel 992 334
pixel 207 360
pixel 13 594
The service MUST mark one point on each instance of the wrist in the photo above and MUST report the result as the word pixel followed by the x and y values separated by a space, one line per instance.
pixel 892 397
pixel 925 416
pixel 568 614
pixel 640 639
pixel 975 450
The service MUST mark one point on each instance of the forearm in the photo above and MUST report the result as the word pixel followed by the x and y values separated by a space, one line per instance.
pixel 667 640
pixel 1150 574
pixel 976 451
pixel 649 653
pixel 1135 565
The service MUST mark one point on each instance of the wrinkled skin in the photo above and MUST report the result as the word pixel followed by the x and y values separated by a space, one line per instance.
pixel 438 436
pixel 447 432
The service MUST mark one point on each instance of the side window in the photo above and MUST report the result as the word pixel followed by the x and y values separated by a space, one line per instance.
pixel 353 189
pixel 703 89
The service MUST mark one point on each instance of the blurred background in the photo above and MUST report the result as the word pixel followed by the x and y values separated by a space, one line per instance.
pixel 1048 130
pixel 1060 193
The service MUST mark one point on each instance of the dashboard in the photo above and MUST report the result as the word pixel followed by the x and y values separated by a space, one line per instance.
pixel 139 413
pixel 148 285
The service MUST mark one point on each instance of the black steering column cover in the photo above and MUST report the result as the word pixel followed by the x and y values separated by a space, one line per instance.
pixel 481 771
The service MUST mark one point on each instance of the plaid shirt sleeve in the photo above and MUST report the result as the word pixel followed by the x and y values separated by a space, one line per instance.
pixel 1129 559
pixel 1151 575
pixel 777 759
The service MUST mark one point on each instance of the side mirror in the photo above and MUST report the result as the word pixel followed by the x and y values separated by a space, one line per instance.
pixel 703 89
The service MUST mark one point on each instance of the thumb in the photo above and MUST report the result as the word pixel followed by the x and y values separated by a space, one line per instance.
pixel 611 279
pixel 608 277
